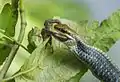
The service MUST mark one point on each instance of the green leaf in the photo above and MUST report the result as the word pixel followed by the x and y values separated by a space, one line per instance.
pixel 61 65
pixel 103 36
pixel 8 20
pixel 5 22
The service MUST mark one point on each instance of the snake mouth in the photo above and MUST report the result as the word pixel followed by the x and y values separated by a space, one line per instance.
pixel 56 34
pixel 64 33
pixel 61 32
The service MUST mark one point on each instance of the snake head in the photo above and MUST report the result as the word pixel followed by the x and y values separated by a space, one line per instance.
pixel 64 34
pixel 61 32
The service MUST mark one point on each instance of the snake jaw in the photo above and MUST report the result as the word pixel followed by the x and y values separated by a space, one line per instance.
pixel 61 37
pixel 61 32
pixel 64 34
pixel 66 31
pixel 68 40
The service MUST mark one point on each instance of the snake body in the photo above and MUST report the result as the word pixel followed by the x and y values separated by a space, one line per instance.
pixel 97 61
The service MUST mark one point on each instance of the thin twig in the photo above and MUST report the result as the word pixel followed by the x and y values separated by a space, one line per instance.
pixel 19 74
pixel 13 40
pixel 8 62
pixel 15 47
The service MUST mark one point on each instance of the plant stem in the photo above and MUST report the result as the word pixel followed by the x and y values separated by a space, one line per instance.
pixel 13 40
pixel 15 47
pixel 20 73
pixel 8 62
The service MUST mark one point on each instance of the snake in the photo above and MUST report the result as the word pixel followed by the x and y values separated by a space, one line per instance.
pixel 95 59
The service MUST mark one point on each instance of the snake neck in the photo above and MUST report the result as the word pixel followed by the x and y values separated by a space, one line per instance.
pixel 78 43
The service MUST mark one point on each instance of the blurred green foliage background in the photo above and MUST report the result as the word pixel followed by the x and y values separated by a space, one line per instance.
pixel 40 10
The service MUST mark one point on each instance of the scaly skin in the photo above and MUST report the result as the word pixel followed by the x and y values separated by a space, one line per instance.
pixel 96 60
